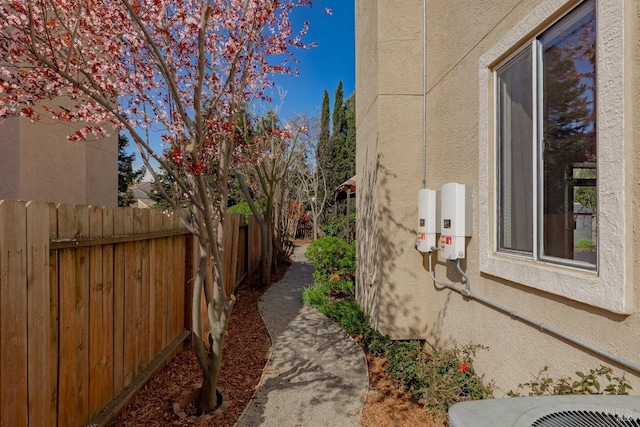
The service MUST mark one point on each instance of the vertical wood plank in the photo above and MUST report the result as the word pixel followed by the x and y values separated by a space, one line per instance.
pixel 13 314
pixel 118 302
pixel 233 254
pixel 96 332
pixel 67 330
pixel 155 290
pixel 82 308
pixel 54 314
pixel 107 309
pixel 41 358
pixel 179 266
pixel 178 279
pixel 130 301
pixel 188 280
pixel 166 279
pixel 141 226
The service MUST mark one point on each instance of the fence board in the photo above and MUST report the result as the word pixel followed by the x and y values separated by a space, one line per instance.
pixel 254 243
pixel 95 313
pixel 167 224
pixel 107 392
pixel 155 291
pixel 82 308
pixel 141 226
pixel 132 272
pixel 231 261
pixel 118 302
pixel 241 264
pixel 13 317
pixel 89 297
pixel 178 282
pixel 40 322
pixel 66 273
pixel 54 333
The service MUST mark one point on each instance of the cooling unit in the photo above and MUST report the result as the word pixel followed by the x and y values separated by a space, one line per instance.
pixel 548 411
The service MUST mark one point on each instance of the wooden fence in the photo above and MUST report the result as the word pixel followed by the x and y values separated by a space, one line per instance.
pixel 90 299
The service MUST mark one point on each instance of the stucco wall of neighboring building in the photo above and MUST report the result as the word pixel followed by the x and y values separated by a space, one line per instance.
pixel 389 144
pixel 43 165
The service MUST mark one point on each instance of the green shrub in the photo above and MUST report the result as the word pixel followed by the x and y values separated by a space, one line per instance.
pixel 590 383
pixel 332 257
pixel 584 243
pixel 335 227
pixel 243 208
pixel 350 318
pixel 374 341
pixel 439 379
pixel 317 296
pixel 406 361
pixel 449 377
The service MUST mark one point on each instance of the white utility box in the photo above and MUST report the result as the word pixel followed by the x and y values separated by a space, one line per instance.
pixel 456 219
pixel 427 221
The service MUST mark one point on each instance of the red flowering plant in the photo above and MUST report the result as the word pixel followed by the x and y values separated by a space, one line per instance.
pixel 180 69
pixel 449 377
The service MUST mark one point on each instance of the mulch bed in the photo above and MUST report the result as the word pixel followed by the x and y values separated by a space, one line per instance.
pixel 164 400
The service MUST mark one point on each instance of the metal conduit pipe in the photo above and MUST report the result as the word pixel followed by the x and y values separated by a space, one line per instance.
pixel 466 292
pixel 424 94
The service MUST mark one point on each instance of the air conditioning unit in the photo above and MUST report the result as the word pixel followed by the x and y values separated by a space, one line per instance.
pixel 548 411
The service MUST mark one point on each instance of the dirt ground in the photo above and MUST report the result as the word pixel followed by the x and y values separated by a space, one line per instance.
pixel 163 401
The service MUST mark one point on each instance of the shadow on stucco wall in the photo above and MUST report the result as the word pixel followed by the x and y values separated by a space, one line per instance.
pixel 383 239
pixel 367 292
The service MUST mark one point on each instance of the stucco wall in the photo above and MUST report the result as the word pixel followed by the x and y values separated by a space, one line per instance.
pixel 459 32
pixel 45 166
pixel 389 119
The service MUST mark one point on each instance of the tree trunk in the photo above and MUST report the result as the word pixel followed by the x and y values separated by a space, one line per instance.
pixel 267 249
pixel 219 307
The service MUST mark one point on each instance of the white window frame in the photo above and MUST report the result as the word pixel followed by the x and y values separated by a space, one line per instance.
pixel 609 287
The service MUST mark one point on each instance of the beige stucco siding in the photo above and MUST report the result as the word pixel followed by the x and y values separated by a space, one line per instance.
pixel 10 159
pixel 389 165
pixel 43 165
pixel 389 120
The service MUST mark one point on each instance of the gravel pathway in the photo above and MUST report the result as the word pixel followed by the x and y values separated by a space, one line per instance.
pixel 317 375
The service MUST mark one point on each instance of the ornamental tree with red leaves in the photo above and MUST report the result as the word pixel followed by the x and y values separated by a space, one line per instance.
pixel 180 69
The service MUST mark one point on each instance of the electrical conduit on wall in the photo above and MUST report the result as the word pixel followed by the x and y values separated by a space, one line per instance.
pixel 466 292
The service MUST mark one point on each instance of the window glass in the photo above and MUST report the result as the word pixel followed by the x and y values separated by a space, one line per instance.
pixel 568 137
pixel 562 97
pixel 515 135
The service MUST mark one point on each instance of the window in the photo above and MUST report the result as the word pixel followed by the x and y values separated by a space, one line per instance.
pixel 553 205
pixel 546 136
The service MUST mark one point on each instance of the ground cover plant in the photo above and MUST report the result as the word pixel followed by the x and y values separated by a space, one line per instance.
pixel 437 379
pixel 597 381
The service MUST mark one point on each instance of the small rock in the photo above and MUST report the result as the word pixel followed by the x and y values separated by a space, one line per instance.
pixel 177 408
pixel 182 415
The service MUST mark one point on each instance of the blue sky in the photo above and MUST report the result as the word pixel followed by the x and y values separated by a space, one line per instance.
pixel 324 66
pixel 321 67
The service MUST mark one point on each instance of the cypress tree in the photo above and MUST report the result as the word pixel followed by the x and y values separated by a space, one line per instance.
pixel 339 119
pixel 335 174
pixel 127 175
pixel 350 138
pixel 324 152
